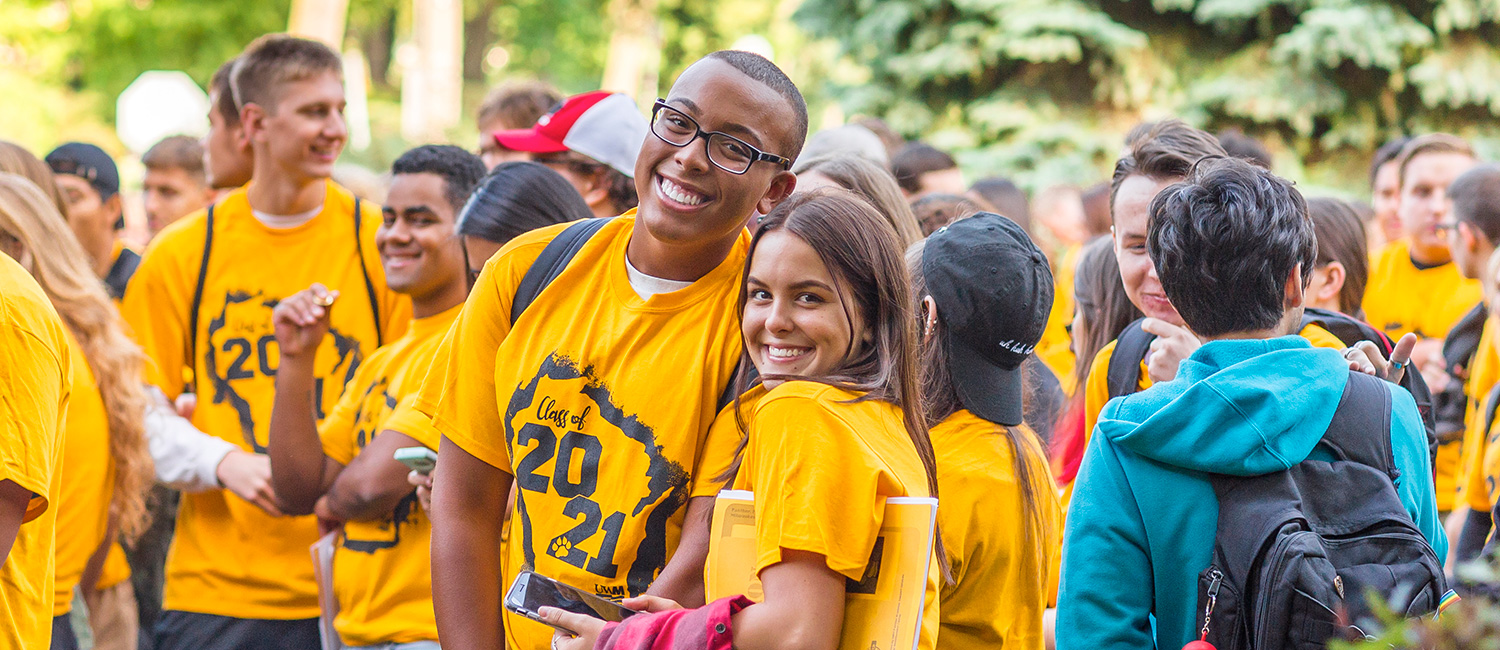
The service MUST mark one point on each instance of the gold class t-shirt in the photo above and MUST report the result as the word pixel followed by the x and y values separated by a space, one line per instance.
pixel 35 379
pixel 596 401
pixel 1001 583
pixel 229 558
pixel 88 483
pixel 822 466
pixel 382 569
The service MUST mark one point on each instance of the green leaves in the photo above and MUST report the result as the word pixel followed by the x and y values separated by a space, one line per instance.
pixel 1028 82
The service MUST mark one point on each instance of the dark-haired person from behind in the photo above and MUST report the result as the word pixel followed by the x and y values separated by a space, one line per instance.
pixel 1233 246
pixel 513 199
pixel 1244 147
pixel 1337 281
pixel 983 292
pixel 921 169
pixel 343 469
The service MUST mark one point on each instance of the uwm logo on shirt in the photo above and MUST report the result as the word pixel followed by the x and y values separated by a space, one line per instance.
pixel 596 494
pixel 239 360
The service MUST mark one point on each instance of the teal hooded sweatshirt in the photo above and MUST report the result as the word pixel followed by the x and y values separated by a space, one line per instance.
pixel 1142 520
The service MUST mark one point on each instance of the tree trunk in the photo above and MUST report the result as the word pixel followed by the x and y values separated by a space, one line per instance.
pixel 477 39
pixel 378 46
pixel 633 65
pixel 432 87
pixel 320 20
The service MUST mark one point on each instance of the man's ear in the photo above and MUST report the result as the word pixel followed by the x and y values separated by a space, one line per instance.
pixel 781 187
pixel 115 205
pixel 252 121
pixel 1468 237
pixel 1294 289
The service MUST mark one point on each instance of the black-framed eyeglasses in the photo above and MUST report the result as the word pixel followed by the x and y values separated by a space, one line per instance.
pixel 725 151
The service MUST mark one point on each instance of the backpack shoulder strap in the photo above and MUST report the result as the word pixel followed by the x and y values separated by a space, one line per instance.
pixel 120 273
pixel 1124 375
pixel 727 396
pixel 550 264
pixel 359 249
pixel 1348 329
pixel 192 333
pixel 1361 426
pixel 1491 404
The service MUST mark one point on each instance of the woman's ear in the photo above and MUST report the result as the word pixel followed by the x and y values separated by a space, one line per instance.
pixel 1335 274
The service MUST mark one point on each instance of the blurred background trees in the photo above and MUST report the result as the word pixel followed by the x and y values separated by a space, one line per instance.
pixel 1041 90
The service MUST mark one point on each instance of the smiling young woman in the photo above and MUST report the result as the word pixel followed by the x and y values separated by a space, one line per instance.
pixel 826 313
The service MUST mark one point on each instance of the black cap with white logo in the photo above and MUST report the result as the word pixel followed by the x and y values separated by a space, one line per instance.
pixel 993 290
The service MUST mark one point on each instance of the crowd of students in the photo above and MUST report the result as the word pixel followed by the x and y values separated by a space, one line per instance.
pixel 605 317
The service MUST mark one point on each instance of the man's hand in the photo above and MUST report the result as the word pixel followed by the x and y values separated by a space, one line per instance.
pixel 1172 345
pixel 302 319
pixel 423 483
pixel 248 476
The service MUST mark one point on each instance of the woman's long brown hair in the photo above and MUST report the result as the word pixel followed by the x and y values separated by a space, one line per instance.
pixel 860 249
pixel 60 266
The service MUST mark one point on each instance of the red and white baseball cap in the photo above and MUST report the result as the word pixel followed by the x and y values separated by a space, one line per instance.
pixel 602 125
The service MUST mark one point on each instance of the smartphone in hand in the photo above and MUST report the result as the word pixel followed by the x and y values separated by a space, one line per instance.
pixel 532 591
pixel 420 459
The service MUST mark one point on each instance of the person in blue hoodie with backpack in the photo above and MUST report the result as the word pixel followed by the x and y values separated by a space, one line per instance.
pixel 1234 247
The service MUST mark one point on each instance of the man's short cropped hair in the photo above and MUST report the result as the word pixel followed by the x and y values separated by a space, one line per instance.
pixel 517 105
pixel 763 70
pixel 459 169
pixel 223 90
pixel 276 59
pixel 1162 151
pixel 176 152
pixel 1224 242
pixel 915 159
pixel 1476 199
pixel 1431 143
pixel 1386 153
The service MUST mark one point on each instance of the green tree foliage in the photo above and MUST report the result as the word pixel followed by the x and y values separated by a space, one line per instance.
pixel 1044 89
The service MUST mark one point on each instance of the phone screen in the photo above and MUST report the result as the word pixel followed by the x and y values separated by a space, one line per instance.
pixel 531 592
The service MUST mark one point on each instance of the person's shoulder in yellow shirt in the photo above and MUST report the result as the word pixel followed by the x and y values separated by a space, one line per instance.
pixel 36 379
pixel 1404 297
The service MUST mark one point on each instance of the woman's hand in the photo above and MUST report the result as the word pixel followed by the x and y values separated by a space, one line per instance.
pixel 650 604
pixel 586 628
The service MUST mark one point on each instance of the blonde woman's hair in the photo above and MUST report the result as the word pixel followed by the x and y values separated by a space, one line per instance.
pixel 60 266
pixel 16 159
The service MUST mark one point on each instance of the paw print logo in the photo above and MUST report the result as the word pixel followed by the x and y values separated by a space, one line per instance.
pixel 560 547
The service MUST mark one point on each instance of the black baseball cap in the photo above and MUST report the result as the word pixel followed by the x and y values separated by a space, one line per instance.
pixel 993 290
pixel 88 162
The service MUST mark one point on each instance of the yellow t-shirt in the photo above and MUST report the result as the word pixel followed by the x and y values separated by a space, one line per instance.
pixel 1056 346
pixel 116 568
pixel 88 482
pixel 1484 371
pixel 382 570
pixel 806 502
pixel 1402 298
pixel 228 557
pixel 1001 586
pixel 35 379
pixel 596 401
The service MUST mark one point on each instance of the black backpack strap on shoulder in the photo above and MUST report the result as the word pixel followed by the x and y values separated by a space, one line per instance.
pixel 550 264
pixel 1491 404
pixel 359 249
pixel 192 333
pixel 1346 328
pixel 1361 428
pixel 1124 375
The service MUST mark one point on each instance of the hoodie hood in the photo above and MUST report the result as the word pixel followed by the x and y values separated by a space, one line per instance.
pixel 1237 407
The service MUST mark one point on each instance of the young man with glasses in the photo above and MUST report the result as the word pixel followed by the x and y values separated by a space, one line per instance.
pixel 597 400
pixel 592 140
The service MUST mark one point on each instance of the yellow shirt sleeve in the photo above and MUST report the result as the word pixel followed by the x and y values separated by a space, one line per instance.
pixel 407 420
pixel 158 299
pixel 459 392
pixel 34 389
pixel 793 437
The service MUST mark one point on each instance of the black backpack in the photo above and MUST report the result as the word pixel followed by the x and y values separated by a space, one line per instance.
pixel 554 259
pixel 1123 375
pixel 1299 553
